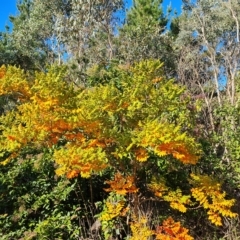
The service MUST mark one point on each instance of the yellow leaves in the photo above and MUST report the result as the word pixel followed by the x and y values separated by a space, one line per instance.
pixel 63 170
pixel 167 139
pixel 176 199
pixel 145 70
pixel 214 218
pixel 95 124
pixel 73 160
pixel 112 210
pixel 208 193
pixel 140 229
pixel 110 107
pixel 141 154
pixel 8 160
pixel 43 118
pixel 14 81
pixel 50 88
pixel 178 206
pixel 114 206
pixel 122 185
pixel 171 230
pixel 200 196
pixel 159 188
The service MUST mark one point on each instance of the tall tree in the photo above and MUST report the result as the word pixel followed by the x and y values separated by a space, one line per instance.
pixel 208 65
pixel 33 30
pixel 11 54
pixel 210 35
pixel 55 31
pixel 87 33
pixel 144 34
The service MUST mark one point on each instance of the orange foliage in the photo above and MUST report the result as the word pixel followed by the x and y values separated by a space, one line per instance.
pixel 90 127
pixel 156 80
pixel 97 143
pixel 141 154
pixel 77 137
pixel 2 71
pixel 72 174
pixel 122 185
pixel 171 230
pixel 11 138
pixel 178 151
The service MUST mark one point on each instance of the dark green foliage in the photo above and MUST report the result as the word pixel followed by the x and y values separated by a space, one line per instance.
pixel 36 204
pixel 11 55
pixel 144 35
pixel 142 29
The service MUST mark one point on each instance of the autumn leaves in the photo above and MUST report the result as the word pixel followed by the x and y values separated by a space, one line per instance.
pixel 123 126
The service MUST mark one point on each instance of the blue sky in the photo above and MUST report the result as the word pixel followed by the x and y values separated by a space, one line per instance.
pixel 8 7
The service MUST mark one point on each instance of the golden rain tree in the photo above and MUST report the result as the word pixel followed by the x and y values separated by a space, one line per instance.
pixel 139 124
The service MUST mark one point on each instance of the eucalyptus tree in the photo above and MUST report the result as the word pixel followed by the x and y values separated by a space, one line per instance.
pixel 87 33
pixel 208 64
pixel 59 30
pixel 210 30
